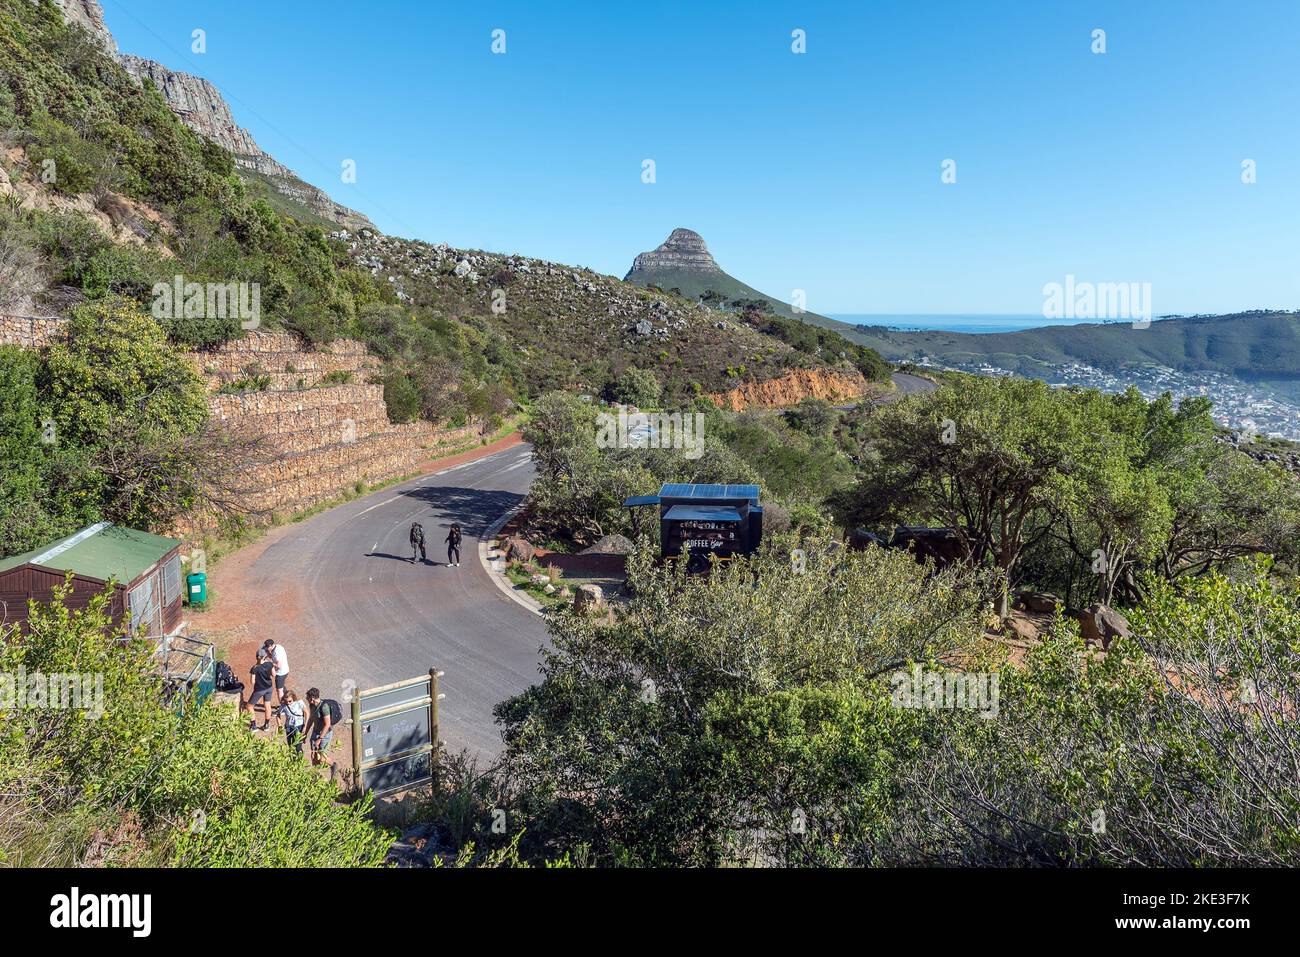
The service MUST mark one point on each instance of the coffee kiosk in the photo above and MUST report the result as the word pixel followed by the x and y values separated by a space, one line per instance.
pixel 703 520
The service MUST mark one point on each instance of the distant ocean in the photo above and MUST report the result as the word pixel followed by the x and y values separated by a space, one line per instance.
pixel 953 323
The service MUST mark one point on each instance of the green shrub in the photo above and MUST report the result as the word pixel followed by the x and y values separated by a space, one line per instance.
pixel 186 786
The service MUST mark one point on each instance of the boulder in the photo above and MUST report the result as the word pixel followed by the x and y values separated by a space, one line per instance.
pixel 518 549
pixel 540 580
pixel 588 597
pixel 610 545
pixel 1020 628
pixel 1100 625
pixel 1038 602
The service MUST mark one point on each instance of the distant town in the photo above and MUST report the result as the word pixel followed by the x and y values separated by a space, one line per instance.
pixel 1244 407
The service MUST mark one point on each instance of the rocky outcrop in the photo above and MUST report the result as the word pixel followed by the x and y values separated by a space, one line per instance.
pixel 203 109
pixel 88 15
pixel 684 249
pixel 833 385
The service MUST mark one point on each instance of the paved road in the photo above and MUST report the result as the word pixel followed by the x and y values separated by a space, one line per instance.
pixel 371 617
pixel 909 385
pixel 906 384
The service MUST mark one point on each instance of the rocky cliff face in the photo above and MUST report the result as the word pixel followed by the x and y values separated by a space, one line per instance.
pixel 683 250
pixel 833 385
pixel 202 108
pixel 88 15
pixel 200 105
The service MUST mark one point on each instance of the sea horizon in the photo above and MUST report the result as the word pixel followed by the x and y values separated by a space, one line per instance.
pixel 955 322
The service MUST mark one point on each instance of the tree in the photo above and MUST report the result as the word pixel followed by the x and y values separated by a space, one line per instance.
pixel 816 417
pixel 644 744
pixel 639 387
pixel 990 458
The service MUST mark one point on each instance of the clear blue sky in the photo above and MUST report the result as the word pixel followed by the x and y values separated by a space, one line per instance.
pixel 818 171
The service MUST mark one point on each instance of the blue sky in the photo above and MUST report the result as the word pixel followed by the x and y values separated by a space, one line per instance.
pixel 818 171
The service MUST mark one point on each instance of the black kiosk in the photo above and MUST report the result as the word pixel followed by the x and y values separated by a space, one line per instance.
pixel 703 520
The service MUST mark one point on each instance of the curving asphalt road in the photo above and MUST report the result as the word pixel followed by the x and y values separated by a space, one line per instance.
pixel 909 384
pixel 372 617
pixel 357 613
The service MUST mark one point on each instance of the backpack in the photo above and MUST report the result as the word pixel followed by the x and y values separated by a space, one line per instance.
pixel 331 707
pixel 225 679
pixel 417 532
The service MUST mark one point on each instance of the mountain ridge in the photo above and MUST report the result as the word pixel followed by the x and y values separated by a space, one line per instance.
pixel 683 263
pixel 200 105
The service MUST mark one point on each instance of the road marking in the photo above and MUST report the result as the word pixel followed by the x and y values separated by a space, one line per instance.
pixel 375 506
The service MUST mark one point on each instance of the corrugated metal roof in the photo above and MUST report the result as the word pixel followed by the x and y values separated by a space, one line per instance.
pixel 100 551
pixel 682 490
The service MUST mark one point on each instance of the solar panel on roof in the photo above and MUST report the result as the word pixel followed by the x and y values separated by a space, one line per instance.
pixel 685 490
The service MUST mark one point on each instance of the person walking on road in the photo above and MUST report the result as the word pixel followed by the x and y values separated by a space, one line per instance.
pixel 280 658
pixel 417 541
pixel 453 547
pixel 325 715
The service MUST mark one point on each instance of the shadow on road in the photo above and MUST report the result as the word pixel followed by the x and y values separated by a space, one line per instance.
pixel 397 558
pixel 474 508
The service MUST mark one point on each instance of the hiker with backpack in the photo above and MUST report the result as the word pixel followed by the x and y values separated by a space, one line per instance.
pixel 417 541
pixel 326 714
pixel 453 547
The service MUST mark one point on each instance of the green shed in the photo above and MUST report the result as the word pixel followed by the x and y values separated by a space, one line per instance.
pixel 143 570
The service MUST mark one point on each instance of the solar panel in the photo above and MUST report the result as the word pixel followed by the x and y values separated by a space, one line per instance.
pixel 684 490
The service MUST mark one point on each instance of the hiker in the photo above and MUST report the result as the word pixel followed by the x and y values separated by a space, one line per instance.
pixel 325 714
pixel 417 541
pixel 263 684
pixel 292 715
pixel 453 547
pixel 280 658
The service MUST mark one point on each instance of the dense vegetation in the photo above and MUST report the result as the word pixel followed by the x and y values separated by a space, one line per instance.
pixel 760 715
pixel 752 715
pixel 1070 489
pixel 135 779
pixel 109 424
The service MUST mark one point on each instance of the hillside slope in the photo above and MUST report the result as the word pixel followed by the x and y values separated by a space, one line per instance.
pixel 1248 345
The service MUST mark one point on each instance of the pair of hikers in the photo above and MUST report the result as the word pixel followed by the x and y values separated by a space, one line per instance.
pixel 453 544
pixel 315 715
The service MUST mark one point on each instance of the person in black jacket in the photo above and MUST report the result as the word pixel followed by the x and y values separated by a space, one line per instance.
pixel 453 547
pixel 417 541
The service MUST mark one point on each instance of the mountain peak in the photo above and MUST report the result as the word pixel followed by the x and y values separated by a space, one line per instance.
pixel 684 250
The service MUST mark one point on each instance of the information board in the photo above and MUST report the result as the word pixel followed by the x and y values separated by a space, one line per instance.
pixel 395 733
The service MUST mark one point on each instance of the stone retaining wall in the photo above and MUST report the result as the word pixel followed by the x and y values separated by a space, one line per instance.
pixel 29 332
pixel 319 440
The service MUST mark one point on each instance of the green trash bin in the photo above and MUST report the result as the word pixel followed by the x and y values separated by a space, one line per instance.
pixel 198 588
